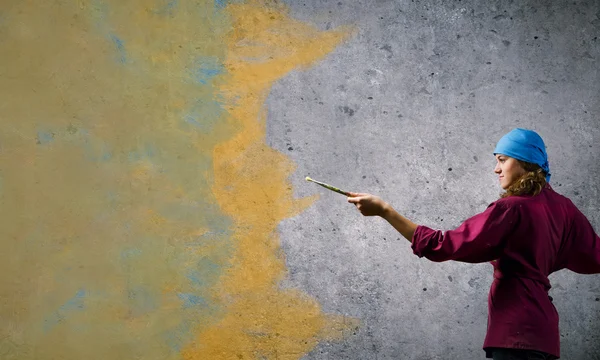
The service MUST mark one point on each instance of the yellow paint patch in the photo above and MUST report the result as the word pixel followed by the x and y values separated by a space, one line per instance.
pixel 104 188
pixel 251 185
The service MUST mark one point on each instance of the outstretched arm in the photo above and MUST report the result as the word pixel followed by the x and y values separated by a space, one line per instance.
pixel 404 226
pixel 477 239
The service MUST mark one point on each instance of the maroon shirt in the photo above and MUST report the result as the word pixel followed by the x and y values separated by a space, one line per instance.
pixel 531 237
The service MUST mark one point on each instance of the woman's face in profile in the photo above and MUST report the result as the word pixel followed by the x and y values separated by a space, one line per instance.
pixel 508 170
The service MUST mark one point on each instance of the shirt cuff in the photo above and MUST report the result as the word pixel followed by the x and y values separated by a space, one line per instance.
pixel 420 239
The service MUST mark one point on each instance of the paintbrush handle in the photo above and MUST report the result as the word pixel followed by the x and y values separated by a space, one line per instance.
pixel 327 186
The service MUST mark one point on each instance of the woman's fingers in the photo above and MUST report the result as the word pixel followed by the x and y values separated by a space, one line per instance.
pixel 353 198
pixel 356 200
pixel 355 194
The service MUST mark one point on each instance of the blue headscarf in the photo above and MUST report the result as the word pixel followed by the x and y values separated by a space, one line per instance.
pixel 525 145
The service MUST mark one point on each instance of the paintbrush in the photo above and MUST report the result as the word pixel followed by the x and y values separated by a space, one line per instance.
pixel 327 186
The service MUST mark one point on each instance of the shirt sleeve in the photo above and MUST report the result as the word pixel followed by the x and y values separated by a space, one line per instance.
pixel 583 252
pixel 478 239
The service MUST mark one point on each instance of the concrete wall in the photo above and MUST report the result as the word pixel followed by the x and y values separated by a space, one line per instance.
pixel 410 109
pixel 153 155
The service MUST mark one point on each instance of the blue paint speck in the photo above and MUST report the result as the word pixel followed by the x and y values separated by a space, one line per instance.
pixel 205 74
pixel 179 335
pixel 219 4
pixel 206 68
pixel 204 115
pixel 141 300
pixel 168 8
pixel 133 156
pixel 106 155
pixel 44 137
pixel 149 151
pixel 76 303
pixel 96 151
pixel 191 300
pixel 205 274
pixel 120 48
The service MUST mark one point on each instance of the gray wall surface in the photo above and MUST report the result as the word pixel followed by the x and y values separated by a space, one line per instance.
pixel 410 109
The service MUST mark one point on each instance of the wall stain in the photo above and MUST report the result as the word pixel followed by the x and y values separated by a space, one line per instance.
pixel 134 167
pixel 251 185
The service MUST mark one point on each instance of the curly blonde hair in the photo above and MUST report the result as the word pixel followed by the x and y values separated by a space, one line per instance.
pixel 530 183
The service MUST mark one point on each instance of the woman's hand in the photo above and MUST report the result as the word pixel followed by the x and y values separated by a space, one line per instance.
pixel 371 205
pixel 367 204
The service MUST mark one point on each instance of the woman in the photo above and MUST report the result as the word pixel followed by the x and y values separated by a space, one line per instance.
pixel 527 234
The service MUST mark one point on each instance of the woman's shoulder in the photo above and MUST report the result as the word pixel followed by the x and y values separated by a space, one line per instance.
pixel 547 197
pixel 506 204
